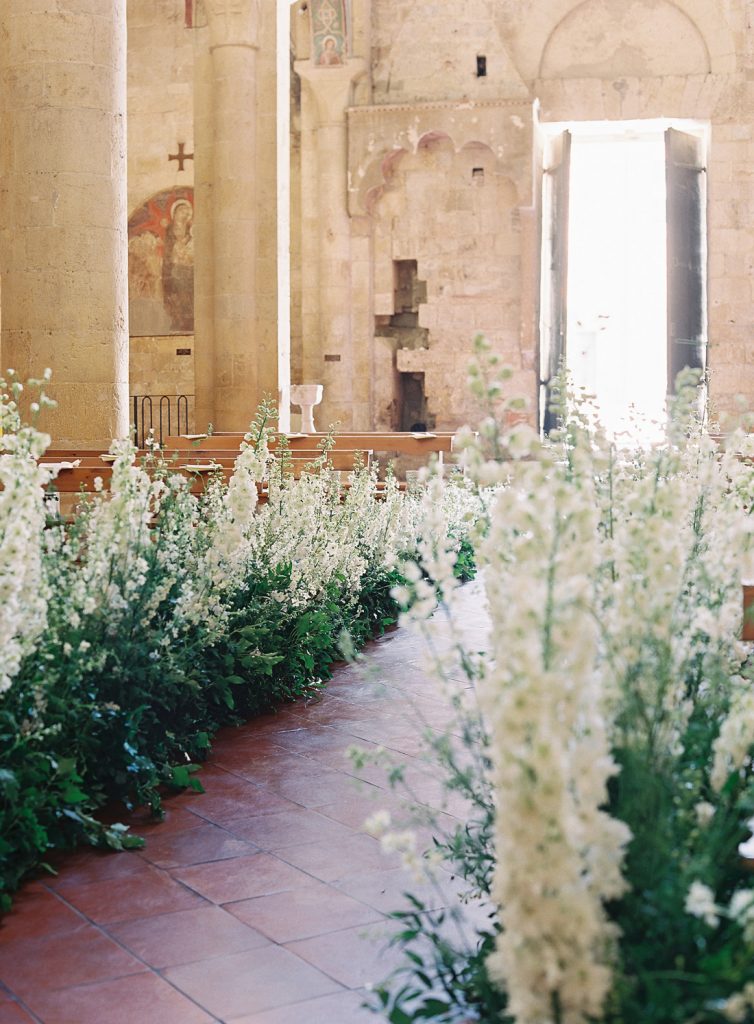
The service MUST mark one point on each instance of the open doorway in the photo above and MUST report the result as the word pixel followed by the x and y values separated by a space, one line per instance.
pixel 624 253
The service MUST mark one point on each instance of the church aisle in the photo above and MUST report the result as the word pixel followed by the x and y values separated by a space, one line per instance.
pixel 262 901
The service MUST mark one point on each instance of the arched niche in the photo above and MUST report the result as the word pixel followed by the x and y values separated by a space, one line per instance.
pixel 530 36
pixel 612 38
pixel 382 168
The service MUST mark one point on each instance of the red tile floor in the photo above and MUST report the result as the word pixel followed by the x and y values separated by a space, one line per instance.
pixel 261 901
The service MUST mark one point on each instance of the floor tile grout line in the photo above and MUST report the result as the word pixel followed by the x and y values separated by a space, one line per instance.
pixel 338 730
pixel 302 1002
pixel 26 1008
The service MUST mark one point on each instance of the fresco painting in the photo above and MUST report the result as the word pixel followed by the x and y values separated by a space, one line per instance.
pixel 161 265
pixel 329 33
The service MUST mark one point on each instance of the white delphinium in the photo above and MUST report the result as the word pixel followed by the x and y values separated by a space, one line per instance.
pixel 674 537
pixel 306 526
pixel 741 910
pixel 436 555
pixel 650 539
pixel 251 468
pixel 558 852
pixel 443 515
pixel 114 568
pixel 737 1008
pixel 736 736
pixel 700 902
pixel 136 552
pixel 705 812
pixel 23 588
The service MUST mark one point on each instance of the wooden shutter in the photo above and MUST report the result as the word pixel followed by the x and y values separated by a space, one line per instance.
pixel 686 192
pixel 555 269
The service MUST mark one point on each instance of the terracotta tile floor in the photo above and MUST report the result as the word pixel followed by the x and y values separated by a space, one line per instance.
pixel 262 901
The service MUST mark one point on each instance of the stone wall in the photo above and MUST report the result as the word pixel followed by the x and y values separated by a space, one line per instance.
pixel 160 115
pixel 440 172
pixel 415 153
pixel 414 193
pixel 160 97
pixel 456 214
pixel 63 246
pixel 697 64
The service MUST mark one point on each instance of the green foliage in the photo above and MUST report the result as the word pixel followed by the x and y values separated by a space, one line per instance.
pixel 123 708
pixel 677 688
pixel 129 725
pixel 444 981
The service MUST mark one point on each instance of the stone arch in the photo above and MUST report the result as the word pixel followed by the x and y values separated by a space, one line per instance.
pixel 609 38
pixel 426 139
pixel 530 41
pixel 377 174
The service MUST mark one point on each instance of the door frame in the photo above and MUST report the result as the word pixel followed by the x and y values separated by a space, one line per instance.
pixel 546 132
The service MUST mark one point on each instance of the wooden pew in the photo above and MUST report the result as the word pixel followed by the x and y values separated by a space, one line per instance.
pixel 439 443
pixel 341 459
pixel 78 471
pixel 83 477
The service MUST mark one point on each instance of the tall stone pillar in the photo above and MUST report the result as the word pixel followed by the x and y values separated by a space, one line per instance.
pixel 329 355
pixel 63 219
pixel 230 377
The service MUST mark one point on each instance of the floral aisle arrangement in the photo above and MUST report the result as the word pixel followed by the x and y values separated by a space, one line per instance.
pixel 607 757
pixel 130 634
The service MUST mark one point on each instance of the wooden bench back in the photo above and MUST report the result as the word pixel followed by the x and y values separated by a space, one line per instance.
pixel 406 444
pixel 343 460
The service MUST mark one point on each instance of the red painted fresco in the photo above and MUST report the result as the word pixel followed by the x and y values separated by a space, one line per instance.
pixel 161 264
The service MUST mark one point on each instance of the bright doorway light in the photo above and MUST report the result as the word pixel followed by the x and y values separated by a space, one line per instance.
pixel 623 264
pixel 617 279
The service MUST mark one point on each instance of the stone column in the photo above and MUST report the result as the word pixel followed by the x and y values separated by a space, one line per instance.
pixel 228 377
pixel 204 277
pixel 63 241
pixel 328 345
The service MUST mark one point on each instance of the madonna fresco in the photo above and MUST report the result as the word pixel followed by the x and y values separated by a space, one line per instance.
pixel 161 265
pixel 329 32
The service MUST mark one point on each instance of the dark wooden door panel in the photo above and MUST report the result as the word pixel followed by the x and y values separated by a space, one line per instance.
pixel 555 268
pixel 685 176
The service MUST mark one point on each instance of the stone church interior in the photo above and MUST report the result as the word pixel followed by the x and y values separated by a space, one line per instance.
pixel 206 201
pixel 294 733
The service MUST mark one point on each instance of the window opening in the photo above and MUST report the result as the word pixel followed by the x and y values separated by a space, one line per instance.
pixel 623 268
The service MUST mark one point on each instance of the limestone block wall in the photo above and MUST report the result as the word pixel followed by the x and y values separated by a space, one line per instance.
pixel 696 64
pixel 603 60
pixel 155 369
pixel 160 97
pixel 160 115
pixel 440 173
pixel 63 246
pixel 456 214
pixel 429 52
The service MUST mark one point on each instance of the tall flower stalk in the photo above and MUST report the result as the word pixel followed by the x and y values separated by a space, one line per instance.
pixel 558 851
pixel 23 590
pixel 617 726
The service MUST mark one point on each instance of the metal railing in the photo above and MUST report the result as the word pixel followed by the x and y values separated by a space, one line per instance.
pixel 163 415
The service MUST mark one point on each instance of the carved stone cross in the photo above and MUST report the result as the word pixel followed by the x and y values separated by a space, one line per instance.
pixel 180 156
